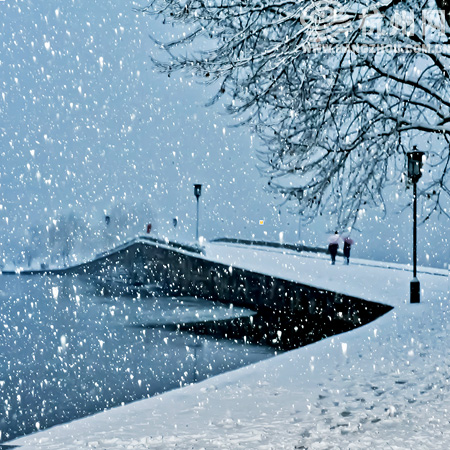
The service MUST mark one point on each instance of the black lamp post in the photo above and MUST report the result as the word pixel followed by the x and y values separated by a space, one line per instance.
pixel 299 195
pixel 414 159
pixel 197 193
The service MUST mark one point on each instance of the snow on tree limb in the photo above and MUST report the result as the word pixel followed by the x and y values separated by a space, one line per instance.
pixel 336 92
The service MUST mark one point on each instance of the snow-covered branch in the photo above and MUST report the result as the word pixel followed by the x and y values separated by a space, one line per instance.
pixel 335 103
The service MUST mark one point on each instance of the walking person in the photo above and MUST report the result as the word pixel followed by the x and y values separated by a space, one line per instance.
pixel 348 242
pixel 333 245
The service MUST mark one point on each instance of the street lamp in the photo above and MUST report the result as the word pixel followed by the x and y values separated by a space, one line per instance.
pixel 197 193
pixel 299 196
pixel 414 160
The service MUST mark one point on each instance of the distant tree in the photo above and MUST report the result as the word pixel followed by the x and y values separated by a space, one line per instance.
pixel 34 244
pixel 63 233
pixel 335 117
pixel 126 220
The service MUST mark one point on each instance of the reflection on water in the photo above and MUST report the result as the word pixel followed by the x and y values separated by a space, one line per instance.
pixel 67 351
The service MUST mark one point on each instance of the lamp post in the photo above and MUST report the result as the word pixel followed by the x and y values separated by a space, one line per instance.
pixel 197 193
pixel 414 160
pixel 300 213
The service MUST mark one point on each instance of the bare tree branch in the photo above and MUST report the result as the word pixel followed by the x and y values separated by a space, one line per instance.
pixel 335 108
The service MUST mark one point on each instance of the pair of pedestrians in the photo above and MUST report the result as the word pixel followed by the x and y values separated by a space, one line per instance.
pixel 333 246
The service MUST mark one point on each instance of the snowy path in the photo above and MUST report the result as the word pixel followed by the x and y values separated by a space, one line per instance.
pixel 365 279
pixel 385 385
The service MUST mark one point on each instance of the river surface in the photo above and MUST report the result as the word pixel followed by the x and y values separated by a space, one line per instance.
pixel 69 348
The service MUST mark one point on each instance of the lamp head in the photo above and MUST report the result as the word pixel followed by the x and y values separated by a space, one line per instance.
pixel 415 161
pixel 197 190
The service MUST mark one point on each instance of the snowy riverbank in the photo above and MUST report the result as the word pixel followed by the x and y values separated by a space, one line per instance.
pixel 385 385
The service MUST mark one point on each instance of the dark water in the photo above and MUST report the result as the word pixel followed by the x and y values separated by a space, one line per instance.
pixel 68 350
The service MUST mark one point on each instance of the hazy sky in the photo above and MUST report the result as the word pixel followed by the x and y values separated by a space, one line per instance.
pixel 87 123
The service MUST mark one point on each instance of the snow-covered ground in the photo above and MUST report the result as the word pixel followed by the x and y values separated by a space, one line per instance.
pixel 384 385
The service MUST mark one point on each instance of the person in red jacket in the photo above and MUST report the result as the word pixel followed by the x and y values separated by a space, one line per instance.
pixel 348 242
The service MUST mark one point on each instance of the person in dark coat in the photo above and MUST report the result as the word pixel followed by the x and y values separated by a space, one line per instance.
pixel 333 246
pixel 347 246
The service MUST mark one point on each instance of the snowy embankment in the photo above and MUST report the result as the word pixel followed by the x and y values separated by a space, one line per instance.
pixel 384 385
